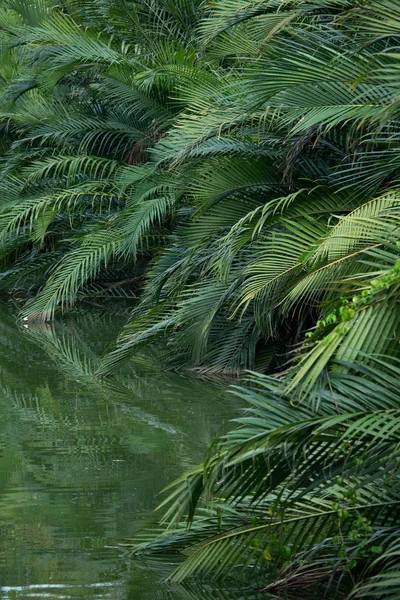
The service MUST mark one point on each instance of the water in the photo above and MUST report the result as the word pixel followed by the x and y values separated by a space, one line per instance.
pixel 82 461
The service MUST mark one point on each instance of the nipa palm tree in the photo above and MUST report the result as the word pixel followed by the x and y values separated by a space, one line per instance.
pixel 243 160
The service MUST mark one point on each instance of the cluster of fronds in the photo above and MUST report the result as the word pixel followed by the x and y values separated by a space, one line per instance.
pixel 300 493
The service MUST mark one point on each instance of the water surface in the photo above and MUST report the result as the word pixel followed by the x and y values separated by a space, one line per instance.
pixel 82 461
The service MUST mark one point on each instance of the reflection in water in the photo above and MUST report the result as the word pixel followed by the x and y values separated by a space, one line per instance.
pixel 81 461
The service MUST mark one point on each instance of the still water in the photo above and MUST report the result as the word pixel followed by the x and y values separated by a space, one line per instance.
pixel 82 461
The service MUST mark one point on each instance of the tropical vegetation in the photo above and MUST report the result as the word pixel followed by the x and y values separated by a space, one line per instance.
pixel 231 171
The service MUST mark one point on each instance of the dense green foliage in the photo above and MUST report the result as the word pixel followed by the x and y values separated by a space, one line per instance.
pixel 246 154
pixel 236 163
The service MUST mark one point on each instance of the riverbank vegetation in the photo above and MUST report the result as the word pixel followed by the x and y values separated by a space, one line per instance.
pixel 231 169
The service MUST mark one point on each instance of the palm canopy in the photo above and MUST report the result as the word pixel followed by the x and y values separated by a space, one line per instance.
pixel 249 151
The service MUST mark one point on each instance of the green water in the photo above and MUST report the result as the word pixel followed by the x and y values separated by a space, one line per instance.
pixel 81 461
